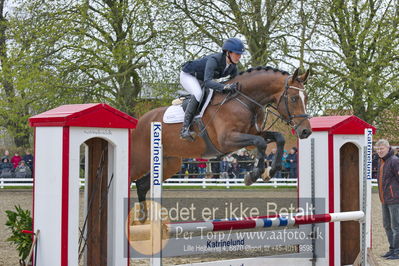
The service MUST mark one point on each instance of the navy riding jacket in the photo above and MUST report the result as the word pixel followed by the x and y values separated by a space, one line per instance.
pixel 210 67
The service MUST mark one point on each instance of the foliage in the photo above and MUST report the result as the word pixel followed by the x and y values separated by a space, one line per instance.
pixel 63 52
pixel 389 126
pixel 355 55
pixel 34 78
pixel 109 47
pixel 128 53
pixel 260 23
pixel 17 221
pixel 144 106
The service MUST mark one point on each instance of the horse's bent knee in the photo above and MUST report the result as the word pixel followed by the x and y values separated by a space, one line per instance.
pixel 260 143
pixel 280 139
pixel 143 185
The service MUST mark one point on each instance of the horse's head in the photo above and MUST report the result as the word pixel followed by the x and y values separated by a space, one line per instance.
pixel 291 104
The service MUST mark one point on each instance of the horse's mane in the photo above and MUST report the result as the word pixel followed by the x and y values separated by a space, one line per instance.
pixel 265 68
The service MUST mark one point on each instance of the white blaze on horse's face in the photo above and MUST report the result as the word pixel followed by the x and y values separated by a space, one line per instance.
pixel 302 95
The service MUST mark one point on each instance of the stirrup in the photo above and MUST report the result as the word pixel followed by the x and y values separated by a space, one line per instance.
pixel 186 134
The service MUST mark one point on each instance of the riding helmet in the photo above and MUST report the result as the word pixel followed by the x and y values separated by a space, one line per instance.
pixel 234 45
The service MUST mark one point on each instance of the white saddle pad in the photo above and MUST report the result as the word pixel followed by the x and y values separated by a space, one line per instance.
pixel 175 113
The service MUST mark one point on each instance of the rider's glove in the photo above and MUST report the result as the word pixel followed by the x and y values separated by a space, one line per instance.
pixel 230 88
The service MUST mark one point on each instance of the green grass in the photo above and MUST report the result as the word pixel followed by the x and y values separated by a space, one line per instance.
pixel 18 187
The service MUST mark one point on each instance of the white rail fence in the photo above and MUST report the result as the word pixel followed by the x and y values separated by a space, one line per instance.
pixel 182 182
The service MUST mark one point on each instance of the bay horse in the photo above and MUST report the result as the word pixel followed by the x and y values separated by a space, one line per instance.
pixel 232 122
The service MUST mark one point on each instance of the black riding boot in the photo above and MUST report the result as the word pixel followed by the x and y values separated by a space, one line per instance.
pixel 188 117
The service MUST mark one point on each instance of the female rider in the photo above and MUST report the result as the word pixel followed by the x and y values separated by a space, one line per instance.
pixel 201 72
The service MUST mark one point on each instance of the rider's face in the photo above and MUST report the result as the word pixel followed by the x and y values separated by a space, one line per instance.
pixel 235 58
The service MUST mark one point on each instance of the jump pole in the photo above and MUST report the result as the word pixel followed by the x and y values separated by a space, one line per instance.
pixel 251 223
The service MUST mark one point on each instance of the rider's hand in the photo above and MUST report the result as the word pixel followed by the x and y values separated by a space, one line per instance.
pixel 230 88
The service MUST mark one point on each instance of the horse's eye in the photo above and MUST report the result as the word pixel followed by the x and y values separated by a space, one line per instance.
pixel 294 99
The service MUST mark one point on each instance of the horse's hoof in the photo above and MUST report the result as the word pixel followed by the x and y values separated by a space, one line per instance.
pixel 250 178
pixel 266 174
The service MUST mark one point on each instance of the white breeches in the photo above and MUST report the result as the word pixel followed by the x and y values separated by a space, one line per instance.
pixel 191 85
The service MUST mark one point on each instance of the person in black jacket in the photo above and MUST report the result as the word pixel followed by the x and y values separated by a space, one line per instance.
pixel 388 187
pixel 203 71
pixel 28 158
pixel 6 169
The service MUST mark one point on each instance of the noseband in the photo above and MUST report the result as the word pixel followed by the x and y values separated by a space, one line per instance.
pixel 284 96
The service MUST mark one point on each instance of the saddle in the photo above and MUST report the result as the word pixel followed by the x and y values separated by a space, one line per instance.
pixel 198 124
pixel 186 98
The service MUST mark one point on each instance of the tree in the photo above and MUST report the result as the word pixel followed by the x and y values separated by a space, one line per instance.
pixel 261 23
pixel 58 52
pixel 29 48
pixel 112 48
pixel 352 47
pixel 356 57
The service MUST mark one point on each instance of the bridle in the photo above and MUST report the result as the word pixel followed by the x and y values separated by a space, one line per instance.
pixel 283 97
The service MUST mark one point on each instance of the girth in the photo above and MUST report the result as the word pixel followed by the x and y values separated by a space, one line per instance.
pixel 211 150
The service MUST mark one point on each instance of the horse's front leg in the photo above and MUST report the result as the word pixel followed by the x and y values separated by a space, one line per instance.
pixel 239 140
pixel 277 137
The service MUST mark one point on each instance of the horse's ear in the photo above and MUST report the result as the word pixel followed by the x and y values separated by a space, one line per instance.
pixel 304 77
pixel 295 75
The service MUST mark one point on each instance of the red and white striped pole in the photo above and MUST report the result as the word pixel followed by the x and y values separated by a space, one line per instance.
pixel 248 223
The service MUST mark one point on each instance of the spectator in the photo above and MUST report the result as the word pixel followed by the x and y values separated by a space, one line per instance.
pixel 184 168
pixel 224 168
pixel 230 158
pixel 388 184
pixel 241 159
pixel 235 169
pixel 292 159
pixel 201 167
pixel 6 169
pixel 28 158
pixel 250 161
pixel 286 165
pixel 6 155
pixel 270 157
pixel 16 159
pixel 23 171
pixel 215 167
pixel 192 167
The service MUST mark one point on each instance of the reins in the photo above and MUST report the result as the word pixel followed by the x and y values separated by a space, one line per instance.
pixel 225 99
pixel 266 110
pixel 265 107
